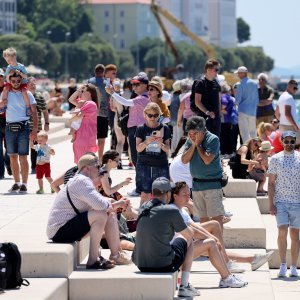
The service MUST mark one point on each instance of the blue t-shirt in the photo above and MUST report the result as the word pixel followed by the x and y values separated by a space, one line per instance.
pixel 16 106
pixel 200 170
pixel 18 67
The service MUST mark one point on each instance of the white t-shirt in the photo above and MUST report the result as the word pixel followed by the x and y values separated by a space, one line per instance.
pixel 180 171
pixel 286 99
pixel 186 217
pixel 43 153
pixel 286 167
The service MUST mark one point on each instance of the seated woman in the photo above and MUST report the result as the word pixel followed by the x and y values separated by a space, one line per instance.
pixel 79 210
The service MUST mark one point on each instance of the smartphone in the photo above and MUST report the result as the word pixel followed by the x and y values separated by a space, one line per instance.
pixel 156 133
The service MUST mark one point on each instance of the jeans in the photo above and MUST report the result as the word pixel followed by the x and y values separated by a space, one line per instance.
pixel 18 142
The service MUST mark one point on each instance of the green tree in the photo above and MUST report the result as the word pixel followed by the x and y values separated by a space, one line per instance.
pixel 53 29
pixel 24 27
pixel 126 66
pixel 243 30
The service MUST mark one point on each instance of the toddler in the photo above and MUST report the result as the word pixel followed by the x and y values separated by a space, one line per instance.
pixel 10 55
pixel 44 151
pixel 76 119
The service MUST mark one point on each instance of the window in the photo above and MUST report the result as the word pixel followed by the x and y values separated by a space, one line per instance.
pixel 106 28
pixel 122 13
pixel 106 14
pixel 122 28
pixel 122 44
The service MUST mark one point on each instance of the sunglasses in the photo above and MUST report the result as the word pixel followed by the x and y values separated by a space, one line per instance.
pixel 291 142
pixel 135 84
pixel 151 89
pixel 152 115
pixel 275 122
pixel 295 88
pixel 15 81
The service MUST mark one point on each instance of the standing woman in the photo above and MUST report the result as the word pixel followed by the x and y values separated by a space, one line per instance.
pixel 86 135
pixel 153 146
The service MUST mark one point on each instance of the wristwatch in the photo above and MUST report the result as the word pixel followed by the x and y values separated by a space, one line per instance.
pixel 47 123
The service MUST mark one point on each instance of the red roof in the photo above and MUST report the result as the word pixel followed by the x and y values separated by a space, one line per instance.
pixel 119 1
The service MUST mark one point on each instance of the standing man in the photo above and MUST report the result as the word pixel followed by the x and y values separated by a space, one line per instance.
pixel 284 199
pixel 156 249
pixel 247 100
pixel 202 151
pixel 102 120
pixel 286 111
pixel 208 97
pixel 17 131
pixel 41 107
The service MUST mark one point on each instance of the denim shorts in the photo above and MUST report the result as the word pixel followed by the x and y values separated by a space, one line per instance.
pixel 145 175
pixel 288 214
pixel 18 142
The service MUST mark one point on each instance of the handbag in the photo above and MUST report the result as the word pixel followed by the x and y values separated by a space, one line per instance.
pixel 15 126
pixel 123 120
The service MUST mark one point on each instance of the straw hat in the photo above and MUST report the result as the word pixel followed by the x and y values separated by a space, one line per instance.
pixel 266 146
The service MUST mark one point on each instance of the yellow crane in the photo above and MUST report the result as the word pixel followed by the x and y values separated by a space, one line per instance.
pixel 158 10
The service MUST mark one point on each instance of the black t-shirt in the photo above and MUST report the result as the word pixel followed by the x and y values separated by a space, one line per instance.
pixel 209 91
pixel 153 155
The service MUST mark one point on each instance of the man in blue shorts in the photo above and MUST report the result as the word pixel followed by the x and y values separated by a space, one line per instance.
pixel 17 132
pixel 284 199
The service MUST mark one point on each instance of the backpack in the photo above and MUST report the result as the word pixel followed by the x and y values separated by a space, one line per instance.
pixel 10 267
pixel 123 120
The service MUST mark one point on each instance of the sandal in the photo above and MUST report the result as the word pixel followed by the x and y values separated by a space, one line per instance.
pixel 28 111
pixel 106 264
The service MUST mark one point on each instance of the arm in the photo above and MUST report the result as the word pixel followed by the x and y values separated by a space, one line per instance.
pixel 200 232
pixel 187 233
pixel 271 192
pixel 122 100
pixel 188 154
pixel 142 145
pixel 46 119
pixel 57 182
pixel 277 113
pixel 243 152
pixel 200 105
pixel 35 122
pixel 107 187
pixel 288 115
pixel 180 113
pixel 205 156
pixel 74 96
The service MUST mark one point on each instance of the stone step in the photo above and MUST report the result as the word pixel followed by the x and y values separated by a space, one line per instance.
pixel 55 127
pixel 271 226
pixel 60 136
pixel 263 204
pixel 205 278
pixel 121 282
pixel 240 188
pixel 40 289
pixel 246 228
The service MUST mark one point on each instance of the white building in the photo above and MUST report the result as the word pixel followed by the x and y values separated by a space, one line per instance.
pixel 8 14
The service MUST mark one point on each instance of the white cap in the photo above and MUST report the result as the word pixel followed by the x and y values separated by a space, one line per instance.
pixel 241 69
pixel 262 75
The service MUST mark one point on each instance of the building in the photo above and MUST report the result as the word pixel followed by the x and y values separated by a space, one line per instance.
pixel 8 15
pixel 123 22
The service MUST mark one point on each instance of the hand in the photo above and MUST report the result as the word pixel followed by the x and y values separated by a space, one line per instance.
pixel 3 103
pixel 150 139
pixel 109 89
pixel 273 210
pixel 211 114
pixel 159 141
pixel 12 71
pixel 52 152
pixel 33 135
pixel 46 127
pixel 127 181
pixel 199 137
pixel 123 203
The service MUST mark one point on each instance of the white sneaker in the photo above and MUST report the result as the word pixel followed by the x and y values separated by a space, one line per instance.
pixel 282 270
pixel 133 193
pixel 188 291
pixel 260 259
pixel 232 282
pixel 293 271
pixel 233 267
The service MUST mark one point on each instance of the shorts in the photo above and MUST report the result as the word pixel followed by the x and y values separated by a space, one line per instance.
pixel 208 203
pixel 179 247
pixel 288 214
pixel 145 175
pixel 42 170
pixel 257 175
pixel 18 142
pixel 74 230
pixel 102 127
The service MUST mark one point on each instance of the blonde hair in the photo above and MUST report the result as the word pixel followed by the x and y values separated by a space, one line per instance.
pixel 10 52
pixel 262 128
pixel 153 106
pixel 43 134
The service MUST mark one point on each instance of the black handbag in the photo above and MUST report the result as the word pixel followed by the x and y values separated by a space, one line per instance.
pixel 15 126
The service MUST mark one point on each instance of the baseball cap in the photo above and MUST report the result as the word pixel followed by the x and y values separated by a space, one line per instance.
pixel 241 69
pixel 161 184
pixel 288 133
pixel 1 72
pixel 140 78
pixel 87 160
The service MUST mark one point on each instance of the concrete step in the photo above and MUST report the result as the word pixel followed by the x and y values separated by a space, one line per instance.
pixel 55 127
pixel 246 228
pixel 59 136
pixel 263 204
pixel 272 232
pixel 40 289
pixel 240 188
pixel 205 278
pixel 121 282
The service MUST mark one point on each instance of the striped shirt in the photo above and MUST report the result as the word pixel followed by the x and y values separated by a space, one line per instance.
pixel 40 106
pixel 84 197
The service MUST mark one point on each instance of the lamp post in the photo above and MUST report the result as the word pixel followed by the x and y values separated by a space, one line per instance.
pixel 66 55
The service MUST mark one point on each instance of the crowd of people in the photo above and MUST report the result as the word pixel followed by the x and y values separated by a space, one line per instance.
pixel 197 125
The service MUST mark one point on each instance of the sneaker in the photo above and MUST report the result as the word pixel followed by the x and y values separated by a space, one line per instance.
pixel 121 259
pixel 14 188
pixel 282 270
pixel 40 191
pixel 133 193
pixel 23 188
pixel 188 291
pixel 233 267
pixel 260 259
pixel 33 171
pixel 293 271
pixel 232 282
pixel 52 191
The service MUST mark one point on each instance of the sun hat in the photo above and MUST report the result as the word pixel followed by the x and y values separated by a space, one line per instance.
pixel 156 85
pixel 266 146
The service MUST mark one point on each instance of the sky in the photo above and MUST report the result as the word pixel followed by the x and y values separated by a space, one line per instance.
pixel 274 25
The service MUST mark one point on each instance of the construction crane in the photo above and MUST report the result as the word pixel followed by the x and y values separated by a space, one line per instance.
pixel 158 10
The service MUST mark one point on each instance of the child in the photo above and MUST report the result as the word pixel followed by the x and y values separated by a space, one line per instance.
pixel 43 160
pixel 10 55
pixel 76 119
